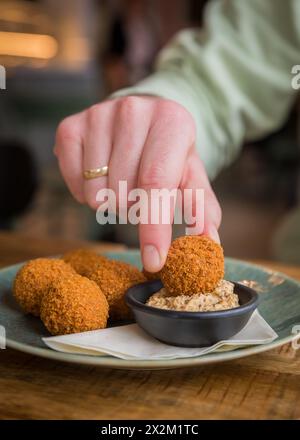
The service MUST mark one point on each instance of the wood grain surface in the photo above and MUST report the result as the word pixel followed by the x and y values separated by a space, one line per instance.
pixel 258 387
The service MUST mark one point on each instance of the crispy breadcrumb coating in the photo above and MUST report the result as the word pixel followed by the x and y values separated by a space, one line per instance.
pixel 194 264
pixel 151 276
pixel 84 261
pixel 34 279
pixel 222 298
pixel 114 279
pixel 73 305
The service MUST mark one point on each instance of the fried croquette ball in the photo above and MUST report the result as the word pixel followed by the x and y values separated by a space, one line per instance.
pixel 84 261
pixel 34 279
pixel 194 264
pixel 73 305
pixel 114 279
pixel 151 276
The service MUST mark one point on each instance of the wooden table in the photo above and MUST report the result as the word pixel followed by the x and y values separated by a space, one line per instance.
pixel 261 386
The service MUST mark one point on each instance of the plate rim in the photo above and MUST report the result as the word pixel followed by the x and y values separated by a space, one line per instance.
pixel 155 364
pixel 117 363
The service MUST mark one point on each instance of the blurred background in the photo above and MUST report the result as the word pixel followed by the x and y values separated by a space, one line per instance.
pixel 63 56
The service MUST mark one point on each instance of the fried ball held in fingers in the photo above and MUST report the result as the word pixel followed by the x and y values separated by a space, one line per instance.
pixel 151 276
pixel 194 264
pixel 114 279
pixel 73 305
pixel 35 278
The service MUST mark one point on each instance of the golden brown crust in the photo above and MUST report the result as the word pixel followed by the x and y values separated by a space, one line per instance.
pixel 194 264
pixel 34 279
pixel 114 279
pixel 73 305
pixel 151 276
pixel 84 261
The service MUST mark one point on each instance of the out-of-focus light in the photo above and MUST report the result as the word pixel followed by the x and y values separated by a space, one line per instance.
pixel 15 15
pixel 28 45
pixel 75 50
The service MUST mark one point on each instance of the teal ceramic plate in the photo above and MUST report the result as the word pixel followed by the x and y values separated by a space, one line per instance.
pixel 279 305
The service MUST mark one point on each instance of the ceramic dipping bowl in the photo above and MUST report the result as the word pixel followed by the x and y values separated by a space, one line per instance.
pixel 189 329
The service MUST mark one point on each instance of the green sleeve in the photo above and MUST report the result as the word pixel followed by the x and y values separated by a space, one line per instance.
pixel 234 76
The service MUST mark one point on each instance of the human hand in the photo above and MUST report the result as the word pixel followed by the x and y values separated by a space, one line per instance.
pixel 148 142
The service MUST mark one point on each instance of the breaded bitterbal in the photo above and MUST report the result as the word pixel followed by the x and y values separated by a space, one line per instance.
pixel 34 279
pixel 194 264
pixel 84 261
pixel 73 305
pixel 114 279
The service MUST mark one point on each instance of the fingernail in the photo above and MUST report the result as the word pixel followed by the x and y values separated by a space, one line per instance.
pixel 214 235
pixel 151 258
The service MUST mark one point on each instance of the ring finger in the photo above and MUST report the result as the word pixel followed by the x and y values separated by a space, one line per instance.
pixel 97 145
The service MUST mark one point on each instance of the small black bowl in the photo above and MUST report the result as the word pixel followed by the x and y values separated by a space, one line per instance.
pixel 189 329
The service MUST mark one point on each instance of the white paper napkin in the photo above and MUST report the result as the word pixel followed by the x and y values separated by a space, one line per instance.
pixel 131 342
